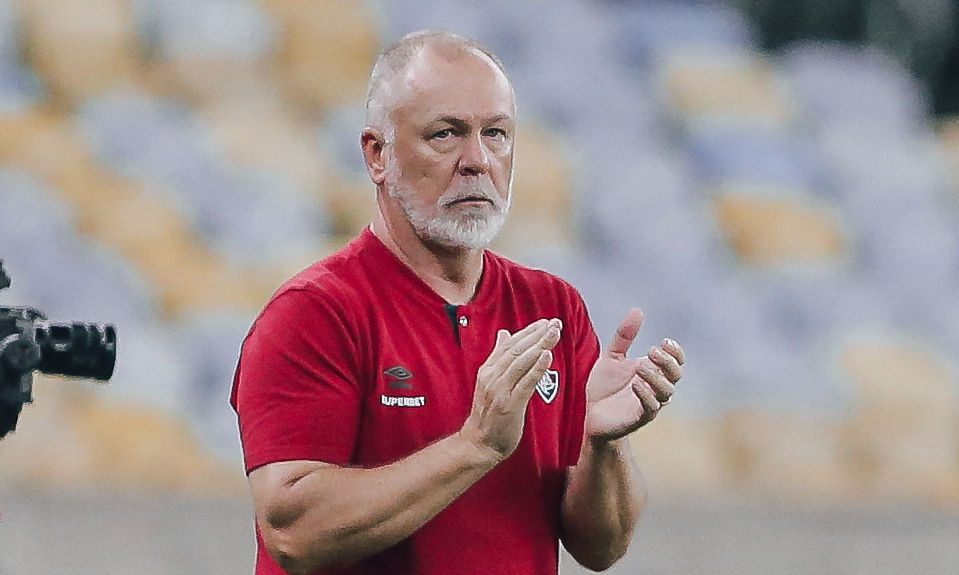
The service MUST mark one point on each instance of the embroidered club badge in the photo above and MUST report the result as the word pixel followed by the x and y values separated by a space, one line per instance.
pixel 548 386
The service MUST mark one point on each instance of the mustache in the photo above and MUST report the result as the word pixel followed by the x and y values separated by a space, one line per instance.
pixel 474 190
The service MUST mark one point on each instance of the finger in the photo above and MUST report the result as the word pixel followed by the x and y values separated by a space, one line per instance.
pixel 666 362
pixel 527 383
pixel 522 356
pixel 625 334
pixel 532 332
pixel 506 341
pixel 647 397
pixel 544 333
pixel 522 363
pixel 657 381
pixel 673 348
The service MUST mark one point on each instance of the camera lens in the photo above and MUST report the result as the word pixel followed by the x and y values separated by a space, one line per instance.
pixel 77 349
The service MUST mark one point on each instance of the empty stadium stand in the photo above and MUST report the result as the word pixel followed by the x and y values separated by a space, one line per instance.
pixel 791 217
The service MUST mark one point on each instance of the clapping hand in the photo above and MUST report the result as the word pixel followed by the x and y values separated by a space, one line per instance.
pixel 624 394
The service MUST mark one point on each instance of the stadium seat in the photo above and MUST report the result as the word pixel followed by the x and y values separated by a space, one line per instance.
pixel 73 437
pixel 9 30
pixel 769 230
pixel 682 456
pixel 755 157
pixel 252 217
pixel 786 456
pixel 19 87
pixel 81 48
pixel 901 439
pixel 649 30
pixel 263 134
pixel 542 205
pixel 209 344
pixel 70 277
pixel 734 88
pixel 864 88
pixel 208 50
pixel 949 140
pixel 326 50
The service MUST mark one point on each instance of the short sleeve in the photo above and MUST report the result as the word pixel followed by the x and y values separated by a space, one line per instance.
pixel 296 389
pixel 585 353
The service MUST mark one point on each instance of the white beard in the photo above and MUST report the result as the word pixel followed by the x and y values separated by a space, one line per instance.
pixel 447 225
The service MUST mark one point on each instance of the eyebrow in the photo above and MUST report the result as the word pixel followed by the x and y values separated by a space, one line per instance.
pixel 462 124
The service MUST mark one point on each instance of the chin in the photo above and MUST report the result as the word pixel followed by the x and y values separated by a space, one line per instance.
pixel 474 235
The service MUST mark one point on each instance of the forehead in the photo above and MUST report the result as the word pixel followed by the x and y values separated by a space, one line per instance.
pixel 453 82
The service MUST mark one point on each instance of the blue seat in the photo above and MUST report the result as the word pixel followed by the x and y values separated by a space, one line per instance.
pixel 253 217
pixel 231 29
pixel 756 157
pixel 209 345
pixel 836 83
pixel 9 31
pixel 648 30
pixel 19 86
pixel 67 276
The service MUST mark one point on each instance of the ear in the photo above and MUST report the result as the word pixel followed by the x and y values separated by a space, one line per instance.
pixel 373 142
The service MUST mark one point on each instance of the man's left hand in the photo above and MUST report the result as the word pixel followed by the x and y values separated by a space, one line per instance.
pixel 624 394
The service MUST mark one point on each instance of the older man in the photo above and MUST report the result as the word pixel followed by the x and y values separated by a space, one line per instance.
pixel 418 404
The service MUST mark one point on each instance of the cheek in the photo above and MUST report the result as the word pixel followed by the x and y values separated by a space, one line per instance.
pixel 428 166
pixel 502 175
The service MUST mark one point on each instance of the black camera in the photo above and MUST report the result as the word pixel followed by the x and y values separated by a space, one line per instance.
pixel 28 343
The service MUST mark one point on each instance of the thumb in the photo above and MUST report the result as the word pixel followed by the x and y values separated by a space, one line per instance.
pixel 625 334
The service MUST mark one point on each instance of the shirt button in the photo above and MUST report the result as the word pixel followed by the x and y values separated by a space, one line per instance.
pixel 464 321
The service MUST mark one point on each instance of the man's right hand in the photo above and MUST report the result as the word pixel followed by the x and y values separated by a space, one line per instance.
pixel 504 384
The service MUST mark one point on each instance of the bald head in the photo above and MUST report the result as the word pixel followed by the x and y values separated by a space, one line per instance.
pixel 391 81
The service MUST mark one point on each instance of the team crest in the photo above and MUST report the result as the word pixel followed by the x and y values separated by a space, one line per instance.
pixel 548 386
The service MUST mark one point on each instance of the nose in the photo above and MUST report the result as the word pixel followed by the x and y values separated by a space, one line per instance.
pixel 474 159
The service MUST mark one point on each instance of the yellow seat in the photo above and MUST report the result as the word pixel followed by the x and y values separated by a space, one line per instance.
pixel 785 456
pixel 327 50
pixel 901 440
pixel 261 133
pixel 138 225
pixel 72 437
pixel 949 139
pixel 724 89
pixel 771 229
pixel 541 217
pixel 82 48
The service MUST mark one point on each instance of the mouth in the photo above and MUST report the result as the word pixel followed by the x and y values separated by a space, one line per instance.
pixel 470 201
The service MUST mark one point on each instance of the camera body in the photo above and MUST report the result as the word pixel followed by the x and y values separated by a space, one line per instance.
pixel 29 342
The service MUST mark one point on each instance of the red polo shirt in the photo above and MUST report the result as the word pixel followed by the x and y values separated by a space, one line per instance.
pixel 356 361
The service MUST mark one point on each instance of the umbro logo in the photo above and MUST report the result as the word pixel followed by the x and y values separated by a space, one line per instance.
pixel 548 386
pixel 400 374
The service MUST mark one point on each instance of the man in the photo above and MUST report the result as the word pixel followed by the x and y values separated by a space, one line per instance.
pixel 417 404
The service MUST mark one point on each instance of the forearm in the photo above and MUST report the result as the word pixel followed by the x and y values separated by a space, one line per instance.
pixel 332 515
pixel 605 495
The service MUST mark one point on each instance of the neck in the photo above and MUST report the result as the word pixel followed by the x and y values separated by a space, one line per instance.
pixel 453 273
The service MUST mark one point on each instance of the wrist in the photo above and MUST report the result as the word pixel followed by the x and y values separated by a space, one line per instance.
pixel 475 452
pixel 600 446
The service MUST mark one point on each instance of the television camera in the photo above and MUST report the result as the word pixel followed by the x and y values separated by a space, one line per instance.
pixel 29 342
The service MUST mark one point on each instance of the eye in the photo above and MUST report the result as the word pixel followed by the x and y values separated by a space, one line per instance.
pixel 442 134
pixel 496 133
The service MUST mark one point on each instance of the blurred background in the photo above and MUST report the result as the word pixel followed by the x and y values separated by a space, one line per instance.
pixel 774 182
